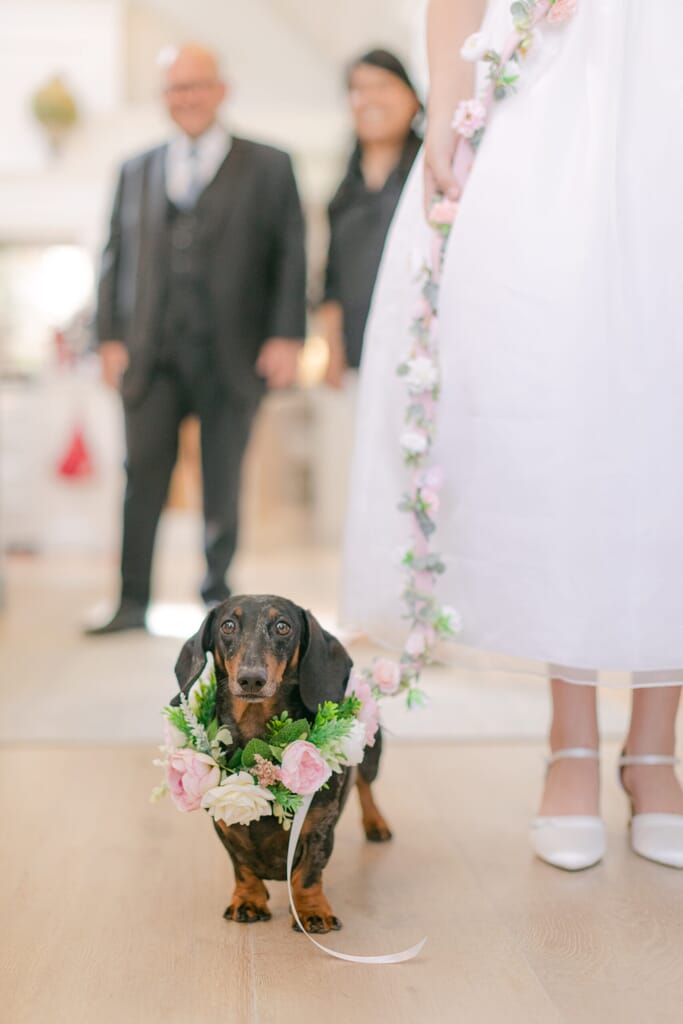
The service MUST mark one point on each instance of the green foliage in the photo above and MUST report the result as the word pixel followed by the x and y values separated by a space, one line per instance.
pixel 284 730
pixel 415 698
pixel 204 700
pixel 235 762
pixel 288 801
pixel 253 748
pixel 328 726
pixel 176 717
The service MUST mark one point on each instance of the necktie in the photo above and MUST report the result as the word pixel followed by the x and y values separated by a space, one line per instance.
pixel 194 182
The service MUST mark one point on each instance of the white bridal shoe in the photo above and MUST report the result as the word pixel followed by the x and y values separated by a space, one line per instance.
pixel 569 841
pixel 658 837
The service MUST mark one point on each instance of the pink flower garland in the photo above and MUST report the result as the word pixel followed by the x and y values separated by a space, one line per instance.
pixel 430 622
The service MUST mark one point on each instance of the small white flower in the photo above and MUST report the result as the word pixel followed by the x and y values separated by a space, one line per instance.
pixel 453 618
pixel 238 800
pixel 413 442
pixel 511 73
pixel 475 47
pixel 422 375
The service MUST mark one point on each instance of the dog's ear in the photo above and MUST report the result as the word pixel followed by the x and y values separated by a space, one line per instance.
pixel 324 666
pixel 192 658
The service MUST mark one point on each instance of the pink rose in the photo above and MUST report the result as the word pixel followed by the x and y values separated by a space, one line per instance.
pixel 432 477
pixel 443 212
pixel 422 310
pixel 418 641
pixel 303 768
pixel 470 116
pixel 189 775
pixel 369 712
pixel 430 500
pixel 387 675
pixel 562 10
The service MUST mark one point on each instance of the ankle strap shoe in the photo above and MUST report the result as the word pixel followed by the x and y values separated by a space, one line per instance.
pixel 657 837
pixel 572 842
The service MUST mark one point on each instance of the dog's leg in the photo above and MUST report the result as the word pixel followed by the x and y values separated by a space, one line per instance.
pixel 374 823
pixel 249 899
pixel 312 906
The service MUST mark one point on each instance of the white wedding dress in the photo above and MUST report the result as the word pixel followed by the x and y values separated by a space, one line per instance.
pixel 560 426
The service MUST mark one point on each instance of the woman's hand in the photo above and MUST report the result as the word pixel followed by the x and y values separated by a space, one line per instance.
pixel 440 145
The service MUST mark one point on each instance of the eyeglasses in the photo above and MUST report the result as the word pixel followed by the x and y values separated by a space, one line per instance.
pixel 190 88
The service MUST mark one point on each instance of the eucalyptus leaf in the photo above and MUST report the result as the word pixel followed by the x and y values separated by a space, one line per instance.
pixel 254 747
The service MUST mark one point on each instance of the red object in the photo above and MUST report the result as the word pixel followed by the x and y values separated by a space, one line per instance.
pixel 76 462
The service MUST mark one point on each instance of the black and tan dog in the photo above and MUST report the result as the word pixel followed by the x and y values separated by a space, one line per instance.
pixel 272 656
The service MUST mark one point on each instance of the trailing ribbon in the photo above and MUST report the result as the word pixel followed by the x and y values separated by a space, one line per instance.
pixel 386 958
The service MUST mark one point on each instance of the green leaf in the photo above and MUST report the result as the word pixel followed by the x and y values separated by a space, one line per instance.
pixel 235 761
pixel 253 748
pixel 176 717
pixel 290 802
pixel 284 730
pixel 203 700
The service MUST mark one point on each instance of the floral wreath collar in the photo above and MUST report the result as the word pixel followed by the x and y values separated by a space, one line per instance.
pixel 270 775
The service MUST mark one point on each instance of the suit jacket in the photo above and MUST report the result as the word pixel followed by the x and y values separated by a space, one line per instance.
pixel 257 273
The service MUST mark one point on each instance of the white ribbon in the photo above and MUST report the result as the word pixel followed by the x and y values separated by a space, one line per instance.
pixel 387 958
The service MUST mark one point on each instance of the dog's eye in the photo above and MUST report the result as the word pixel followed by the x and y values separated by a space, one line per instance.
pixel 282 628
pixel 228 626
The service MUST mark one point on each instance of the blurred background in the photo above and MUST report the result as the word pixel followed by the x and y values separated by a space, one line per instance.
pixel 80 87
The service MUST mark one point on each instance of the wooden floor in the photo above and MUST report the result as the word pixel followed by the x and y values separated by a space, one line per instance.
pixel 111 907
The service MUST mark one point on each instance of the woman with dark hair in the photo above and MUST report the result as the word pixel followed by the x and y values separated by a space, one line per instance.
pixel 384 106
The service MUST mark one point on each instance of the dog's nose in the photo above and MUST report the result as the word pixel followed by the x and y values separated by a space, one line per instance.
pixel 251 680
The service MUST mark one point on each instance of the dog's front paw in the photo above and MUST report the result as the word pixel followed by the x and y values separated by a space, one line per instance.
pixel 318 924
pixel 377 830
pixel 249 901
pixel 315 913
pixel 247 912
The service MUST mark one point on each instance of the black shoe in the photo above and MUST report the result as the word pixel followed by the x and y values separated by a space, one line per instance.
pixel 128 616
pixel 214 598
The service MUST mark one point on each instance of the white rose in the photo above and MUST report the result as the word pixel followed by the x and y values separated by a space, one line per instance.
pixel 238 800
pixel 350 750
pixel 453 617
pixel 413 442
pixel 422 374
pixel 475 47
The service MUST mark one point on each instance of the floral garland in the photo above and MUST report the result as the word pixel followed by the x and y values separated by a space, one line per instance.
pixel 269 776
pixel 429 621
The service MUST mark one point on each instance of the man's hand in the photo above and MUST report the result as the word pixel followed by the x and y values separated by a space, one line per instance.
pixel 278 362
pixel 336 368
pixel 114 356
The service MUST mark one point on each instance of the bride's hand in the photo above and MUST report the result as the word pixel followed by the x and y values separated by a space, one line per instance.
pixel 440 144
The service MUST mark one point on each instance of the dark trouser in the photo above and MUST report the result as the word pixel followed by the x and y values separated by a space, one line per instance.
pixel 152 445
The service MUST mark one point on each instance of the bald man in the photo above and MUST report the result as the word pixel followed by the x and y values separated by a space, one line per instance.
pixel 201 308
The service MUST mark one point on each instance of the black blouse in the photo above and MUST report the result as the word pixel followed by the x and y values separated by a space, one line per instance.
pixel 359 222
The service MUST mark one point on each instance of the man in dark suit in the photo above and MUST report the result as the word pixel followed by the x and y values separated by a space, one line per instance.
pixel 201 307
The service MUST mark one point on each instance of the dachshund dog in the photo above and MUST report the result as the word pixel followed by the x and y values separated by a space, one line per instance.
pixel 272 656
